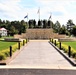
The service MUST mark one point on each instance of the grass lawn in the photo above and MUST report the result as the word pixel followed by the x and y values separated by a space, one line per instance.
pixel 4 45
pixel 72 44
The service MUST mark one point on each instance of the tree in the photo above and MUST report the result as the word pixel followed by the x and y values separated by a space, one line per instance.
pixel 12 30
pixel 0 21
pixel 14 27
pixel 0 35
pixel 45 24
pixel 62 30
pixel 50 24
pixel 34 23
pixel 24 26
pixel 57 27
pixel 74 31
pixel 70 26
pixel 39 24
pixel 7 24
pixel 31 24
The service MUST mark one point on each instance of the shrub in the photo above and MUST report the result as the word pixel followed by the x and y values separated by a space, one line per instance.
pixel 21 44
pixel 57 43
pixel 2 56
pixel 73 53
pixel 6 53
pixel 14 47
pixel 65 48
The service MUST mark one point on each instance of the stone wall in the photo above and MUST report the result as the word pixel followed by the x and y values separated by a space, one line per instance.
pixel 22 36
pixel 39 34
pixel 67 39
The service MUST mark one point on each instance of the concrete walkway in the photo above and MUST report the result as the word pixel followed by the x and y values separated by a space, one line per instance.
pixel 40 54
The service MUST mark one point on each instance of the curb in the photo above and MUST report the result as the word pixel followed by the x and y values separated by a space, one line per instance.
pixel 64 55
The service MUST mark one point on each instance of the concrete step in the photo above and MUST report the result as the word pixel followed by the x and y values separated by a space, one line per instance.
pixel 18 71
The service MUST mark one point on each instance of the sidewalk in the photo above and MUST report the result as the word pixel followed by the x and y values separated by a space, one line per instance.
pixel 39 54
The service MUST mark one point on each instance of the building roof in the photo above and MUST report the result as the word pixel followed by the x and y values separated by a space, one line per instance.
pixel 3 29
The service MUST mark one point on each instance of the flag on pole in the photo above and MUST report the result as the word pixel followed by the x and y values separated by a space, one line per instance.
pixel 50 17
pixel 26 16
pixel 38 11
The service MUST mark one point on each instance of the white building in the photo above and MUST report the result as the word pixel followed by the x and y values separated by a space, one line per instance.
pixel 3 32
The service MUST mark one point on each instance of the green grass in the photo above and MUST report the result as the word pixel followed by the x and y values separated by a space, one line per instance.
pixel 5 45
pixel 72 44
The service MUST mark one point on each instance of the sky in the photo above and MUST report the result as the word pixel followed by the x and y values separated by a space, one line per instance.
pixel 60 10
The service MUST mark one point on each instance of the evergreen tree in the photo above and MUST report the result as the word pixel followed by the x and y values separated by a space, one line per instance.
pixel 45 24
pixel 34 23
pixel 57 27
pixel 39 24
pixel 74 31
pixel 70 26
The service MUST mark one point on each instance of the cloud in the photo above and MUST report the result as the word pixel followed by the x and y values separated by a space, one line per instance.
pixel 9 8
pixel 58 13
pixel 17 9
pixel 61 10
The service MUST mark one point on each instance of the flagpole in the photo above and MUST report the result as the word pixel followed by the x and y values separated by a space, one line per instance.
pixel 38 13
pixel 50 16
pixel 27 18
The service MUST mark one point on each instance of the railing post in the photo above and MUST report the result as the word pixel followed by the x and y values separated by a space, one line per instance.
pixel 55 42
pixel 23 42
pixel 18 45
pixel 69 51
pixel 52 40
pixel 10 51
pixel 60 45
pixel 26 40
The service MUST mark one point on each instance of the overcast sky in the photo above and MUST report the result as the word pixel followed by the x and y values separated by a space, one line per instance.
pixel 61 10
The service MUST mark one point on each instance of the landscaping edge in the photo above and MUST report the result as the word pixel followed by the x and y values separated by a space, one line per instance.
pixel 71 60
pixel 9 59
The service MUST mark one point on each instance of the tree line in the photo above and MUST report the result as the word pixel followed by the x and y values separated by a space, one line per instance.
pixel 18 27
pixel 68 29
pixel 14 27
pixel 40 24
